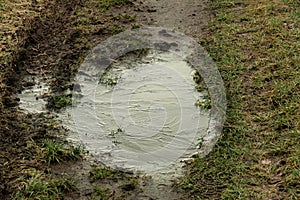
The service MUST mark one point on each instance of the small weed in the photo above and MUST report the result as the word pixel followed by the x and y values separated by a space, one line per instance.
pixel 125 18
pixel 200 85
pixel 104 172
pixel 204 103
pixel 123 185
pixel 108 79
pixel 135 26
pixel 54 152
pixel 100 193
pixel 115 134
pixel 59 101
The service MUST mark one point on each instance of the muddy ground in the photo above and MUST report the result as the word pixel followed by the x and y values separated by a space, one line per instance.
pixel 52 44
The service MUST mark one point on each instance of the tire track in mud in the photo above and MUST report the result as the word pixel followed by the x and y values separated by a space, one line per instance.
pixel 17 128
pixel 49 50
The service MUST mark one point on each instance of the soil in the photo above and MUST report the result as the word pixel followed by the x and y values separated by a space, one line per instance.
pixel 53 45
pixel 186 16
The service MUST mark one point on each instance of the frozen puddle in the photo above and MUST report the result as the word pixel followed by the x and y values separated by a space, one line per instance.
pixel 137 113
pixel 142 115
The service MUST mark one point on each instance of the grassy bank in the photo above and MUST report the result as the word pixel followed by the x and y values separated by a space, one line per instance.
pixel 256 45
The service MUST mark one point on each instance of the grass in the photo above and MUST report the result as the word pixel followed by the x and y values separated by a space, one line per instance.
pixel 28 165
pixel 109 79
pixel 205 102
pixel 256 46
pixel 52 152
pixel 39 186
pixel 39 182
pixel 104 172
pixel 59 101
pixel 101 193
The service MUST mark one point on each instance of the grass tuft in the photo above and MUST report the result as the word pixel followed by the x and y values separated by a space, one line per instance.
pixel 53 152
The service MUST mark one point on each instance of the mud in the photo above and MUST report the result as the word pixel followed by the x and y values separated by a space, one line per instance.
pixel 186 16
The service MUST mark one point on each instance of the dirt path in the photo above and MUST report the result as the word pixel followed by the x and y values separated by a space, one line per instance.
pixel 187 16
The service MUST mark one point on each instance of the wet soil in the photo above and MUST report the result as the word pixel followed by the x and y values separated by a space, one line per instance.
pixel 54 43
pixel 187 16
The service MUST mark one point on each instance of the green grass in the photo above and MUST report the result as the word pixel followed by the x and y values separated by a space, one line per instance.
pixel 59 101
pixel 38 185
pixel 101 193
pixel 53 152
pixel 256 46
